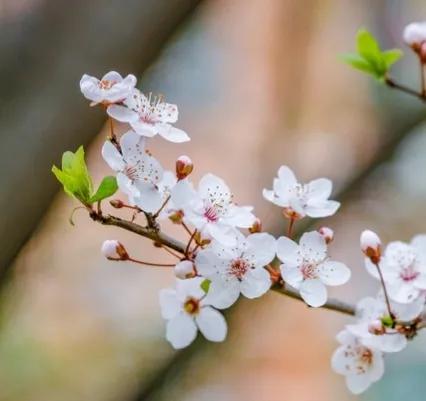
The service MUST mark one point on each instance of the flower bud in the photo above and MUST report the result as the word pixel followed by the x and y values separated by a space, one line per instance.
pixel 256 226
pixel 176 217
pixel 414 34
pixel 376 327
pixel 370 245
pixel 114 250
pixel 117 203
pixel 184 269
pixel 327 233
pixel 184 167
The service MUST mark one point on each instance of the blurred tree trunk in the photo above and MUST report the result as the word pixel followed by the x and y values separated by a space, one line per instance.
pixel 45 49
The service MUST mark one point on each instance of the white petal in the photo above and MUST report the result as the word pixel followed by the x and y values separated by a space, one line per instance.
pixel 143 128
pixel 402 292
pixel 393 342
pixel 112 76
pixel 222 295
pixel 212 324
pixel 240 216
pixel 291 275
pixel 133 147
pixel 378 368
pixel 170 306
pixel 172 134
pixel 333 273
pixel 286 175
pixel 112 156
pixel 181 331
pixel 313 246
pixel 268 195
pixel 183 193
pixel 317 209
pixel 313 292
pixel 407 312
pixel 129 81
pixel 263 248
pixel 223 234
pixel 90 88
pixel 149 199
pixel 287 251
pixel 214 189
pixel 339 361
pixel 358 383
pixel 320 188
pixel 419 244
pixel 255 283
pixel 121 113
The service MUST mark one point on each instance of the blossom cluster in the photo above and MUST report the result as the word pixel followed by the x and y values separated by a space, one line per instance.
pixel 227 255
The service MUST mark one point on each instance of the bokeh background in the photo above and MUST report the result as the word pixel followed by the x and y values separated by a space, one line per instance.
pixel 258 84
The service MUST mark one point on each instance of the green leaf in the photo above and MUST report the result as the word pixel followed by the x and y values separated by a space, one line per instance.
pixel 107 188
pixel 357 62
pixel 387 321
pixel 74 175
pixel 391 56
pixel 205 285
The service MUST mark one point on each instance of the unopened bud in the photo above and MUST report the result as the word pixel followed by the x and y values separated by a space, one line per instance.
pixel 370 245
pixel 184 269
pixel 117 203
pixel 184 167
pixel 376 327
pixel 256 227
pixel 176 217
pixel 327 233
pixel 114 250
pixel 200 240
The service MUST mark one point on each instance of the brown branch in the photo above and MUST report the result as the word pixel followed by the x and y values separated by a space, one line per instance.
pixel 395 85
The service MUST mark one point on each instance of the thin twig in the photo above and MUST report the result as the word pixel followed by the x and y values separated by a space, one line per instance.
pixel 141 262
pixel 394 85
pixel 382 281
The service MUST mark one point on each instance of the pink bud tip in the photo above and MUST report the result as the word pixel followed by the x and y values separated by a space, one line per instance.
pixel 370 245
pixel 327 233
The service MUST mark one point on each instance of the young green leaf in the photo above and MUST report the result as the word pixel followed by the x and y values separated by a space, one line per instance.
pixel 205 285
pixel 391 57
pixel 107 188
pixel 357 62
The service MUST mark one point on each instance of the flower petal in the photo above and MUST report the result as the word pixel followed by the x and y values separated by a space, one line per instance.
pixel 121 113
pixel 287 251
pixel 181 331
pixel 255 283
pixel 149 199
pixel 172 134
pixel 291 275
pixel 263 248
pixel 212 324
pixel 333 273
pixel 286 175
pixel 320 188
pixel 169 303
pixel 112 156
pixel 358 383
pixel 313 292
pixel 313 246
pixel 222 295
pixel 317 209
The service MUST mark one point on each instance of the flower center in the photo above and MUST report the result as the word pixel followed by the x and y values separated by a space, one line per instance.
pixel 309 270
pixel 210 213
pixel 192 306
pixel 409 273
pixel 106 84
pixel 131 172
pixel 365 359
pixel 238 268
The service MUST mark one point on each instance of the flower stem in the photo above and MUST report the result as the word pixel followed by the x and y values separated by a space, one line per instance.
pixel 141 262
pixel 290 227
pixel 384 290
pixel 393 84
pixel 157 213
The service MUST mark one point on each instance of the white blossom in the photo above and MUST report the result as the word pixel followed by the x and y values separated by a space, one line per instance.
pixel 187 310
pixel 113 249
pixel 415 34
pixel 149 116
pixel 309 199
pixel 404 269
pixel 111 88
pixel 371 311
pixel 138 173
pixel 237 269
pixel 308 268
pixel 361 365
pixel 210 208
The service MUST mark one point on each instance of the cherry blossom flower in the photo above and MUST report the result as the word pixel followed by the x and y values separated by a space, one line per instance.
pixel 404 269
pixel 361 365
pixel 138 173
pixel 210 208
pixel 187 310
pixel 149 116
pixel 237 269
pixel 370 329
pixel 111 88
pixel 308 268
pixel 299 200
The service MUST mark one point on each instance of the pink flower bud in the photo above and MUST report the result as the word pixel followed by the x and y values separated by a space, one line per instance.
pixel 184 269
pixel 371 245
pixel 184 167
pixel 114 250
pixel 256 227
pixel 327 233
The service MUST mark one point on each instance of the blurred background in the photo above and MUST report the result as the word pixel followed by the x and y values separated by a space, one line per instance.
pixel 258 84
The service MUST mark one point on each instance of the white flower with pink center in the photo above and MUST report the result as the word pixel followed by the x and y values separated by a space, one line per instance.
pixel 361 365
pixel 301 200
pixel 149 116
pixel 210 208
pixel 187 310
pixel 308 268
pixel 371 332
pixel 111 88
pixel 404 269
pixel 138 173
pixel 237 269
